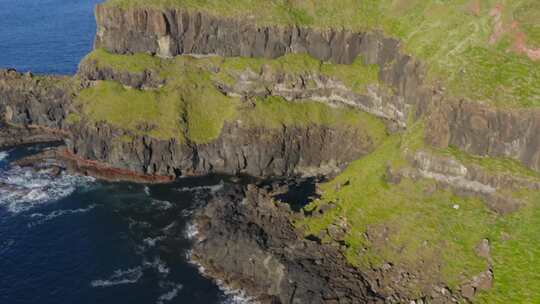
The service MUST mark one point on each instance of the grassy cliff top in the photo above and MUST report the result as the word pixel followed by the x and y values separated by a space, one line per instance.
pixel 424 228
pixel 189 106
pixel 485 50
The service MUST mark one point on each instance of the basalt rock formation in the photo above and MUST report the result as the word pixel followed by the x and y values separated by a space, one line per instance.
pixel 468 125
pixel 265 253
pixel 257 152
pixel 247 240
pixel 43 104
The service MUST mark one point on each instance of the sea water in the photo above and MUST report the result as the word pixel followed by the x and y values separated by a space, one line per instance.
pixel 73 239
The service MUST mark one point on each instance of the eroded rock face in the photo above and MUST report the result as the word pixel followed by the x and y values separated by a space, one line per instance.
pixel 254 151
pixel 91 71
pixel 45 104
pixel 475 128
pixel 141 30
pixel 314 86
pixel 488 131
pixel 39 101
pixel 247 240
pixel 467 179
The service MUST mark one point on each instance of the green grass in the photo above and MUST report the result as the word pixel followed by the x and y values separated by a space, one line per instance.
pixel 73 118
pixel 142 112
pixel 275 112
pixel 205 108
pixel 355 76
pixel 423 228
pixel 516 256
pixel 136 63
pixel 492 164
pixel 447 35
pixel 190 107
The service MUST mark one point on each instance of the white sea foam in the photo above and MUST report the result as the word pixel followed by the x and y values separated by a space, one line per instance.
pixel 42 218
pixel 232 296
pixel 3 155
pixel 212 188
pixel 191 231
pixel 171 293
pixel 235 296
pixel 151 242
pixel 21 189
pixel 167 228
pixel 157 264
pixel 133 275
pixel 161 205
pixel 139 224
pixel 199 199
pixel 120 277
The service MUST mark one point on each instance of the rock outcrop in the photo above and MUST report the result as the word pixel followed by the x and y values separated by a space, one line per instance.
pixel 90 70
pixel 473 127
pixel 28 100
pixel 144 30
pixel 487 131
pixel 247 240
pixel 45 104
pixel 318 87
pixel 257 152
pixel 467 179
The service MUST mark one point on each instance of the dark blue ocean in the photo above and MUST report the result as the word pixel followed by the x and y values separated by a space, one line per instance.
pixel 70 240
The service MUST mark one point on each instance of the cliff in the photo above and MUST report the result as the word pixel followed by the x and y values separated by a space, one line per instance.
pixel 176 31
pixel 436 161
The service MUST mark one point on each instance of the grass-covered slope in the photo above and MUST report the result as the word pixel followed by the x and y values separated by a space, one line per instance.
pixel 189 105
pixel 425 229
pixel 485 50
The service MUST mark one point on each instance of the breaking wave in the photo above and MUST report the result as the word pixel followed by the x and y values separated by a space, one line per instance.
pixel 172 292
pixel 120 277
pixel 3 155
pixel 191 231
pixel 161 205
pixel 232 296
pixel 21 189
pixel 42 218
pixel 150 242
pixel 211 189
pixel 158 265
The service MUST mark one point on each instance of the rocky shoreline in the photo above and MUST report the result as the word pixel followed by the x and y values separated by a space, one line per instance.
pixel 246 240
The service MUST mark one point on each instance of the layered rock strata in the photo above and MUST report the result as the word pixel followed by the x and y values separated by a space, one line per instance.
pixel 473 127
pixel 45 105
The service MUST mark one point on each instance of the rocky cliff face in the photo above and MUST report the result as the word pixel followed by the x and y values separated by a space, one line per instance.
pixel 315 86
pixel 257 152
pixel 266 255
pixel 175 32
pixel 488 131
pixel 475 128
pixel 35 101
pixel 283 267
pixel 46 103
